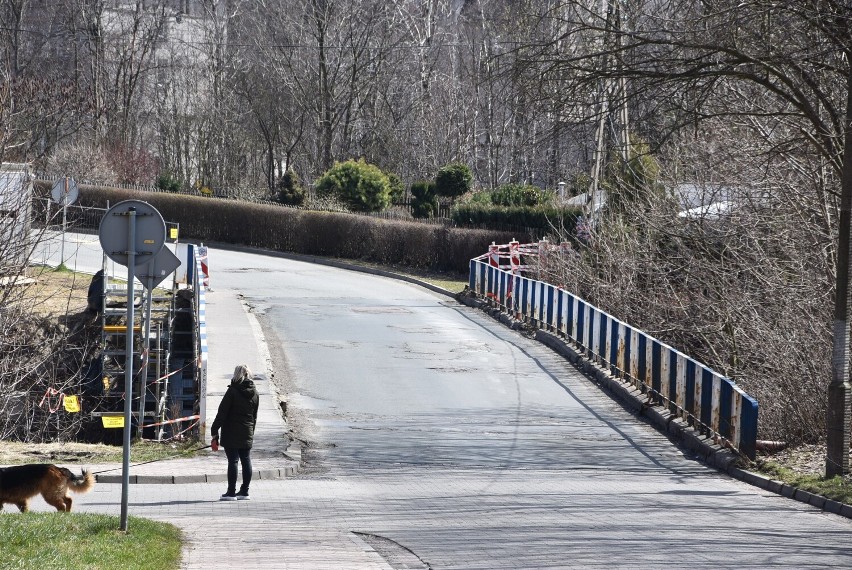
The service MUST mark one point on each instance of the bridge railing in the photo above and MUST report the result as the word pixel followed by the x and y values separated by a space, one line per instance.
pixel 199 285
pixel 706 400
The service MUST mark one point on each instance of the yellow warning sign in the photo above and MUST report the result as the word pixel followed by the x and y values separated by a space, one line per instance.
pixel 72 404
pixel 173 233
pixel 113 421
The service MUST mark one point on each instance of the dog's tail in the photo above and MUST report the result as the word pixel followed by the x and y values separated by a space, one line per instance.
pixel 81 483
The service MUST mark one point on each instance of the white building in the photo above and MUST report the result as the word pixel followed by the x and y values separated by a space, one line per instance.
pixel 15 205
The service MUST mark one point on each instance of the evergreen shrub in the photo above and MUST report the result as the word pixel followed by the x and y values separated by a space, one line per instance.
pixel 453 180
pixel 290 189
pixel 397 187
pixel 362 186
pixel 424 202
pixel 167 182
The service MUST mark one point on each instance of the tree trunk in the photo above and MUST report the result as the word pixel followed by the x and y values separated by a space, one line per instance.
pixel 838 413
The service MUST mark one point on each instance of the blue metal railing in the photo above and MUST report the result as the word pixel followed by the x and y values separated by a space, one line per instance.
pixel 703 398
pixel 195 279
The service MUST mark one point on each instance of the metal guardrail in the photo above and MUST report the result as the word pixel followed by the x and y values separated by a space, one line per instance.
pixel 710 402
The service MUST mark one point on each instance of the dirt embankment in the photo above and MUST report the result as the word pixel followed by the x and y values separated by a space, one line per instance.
pixel 48 340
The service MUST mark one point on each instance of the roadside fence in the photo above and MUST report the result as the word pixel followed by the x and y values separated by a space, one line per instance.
pixel 709 402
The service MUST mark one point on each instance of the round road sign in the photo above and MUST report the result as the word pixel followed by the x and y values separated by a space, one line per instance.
pixel 150 232
pixel 65 191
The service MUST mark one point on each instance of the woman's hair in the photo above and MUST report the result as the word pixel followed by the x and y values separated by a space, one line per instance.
pixel 241 373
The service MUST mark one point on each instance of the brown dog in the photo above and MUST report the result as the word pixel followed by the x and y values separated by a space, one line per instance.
pixel 20 483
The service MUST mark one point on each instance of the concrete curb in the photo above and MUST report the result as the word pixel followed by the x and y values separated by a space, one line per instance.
pixel 678 431
pixel 260 474
pixel 294 453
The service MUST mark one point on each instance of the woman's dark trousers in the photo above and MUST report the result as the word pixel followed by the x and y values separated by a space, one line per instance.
pixel 244 455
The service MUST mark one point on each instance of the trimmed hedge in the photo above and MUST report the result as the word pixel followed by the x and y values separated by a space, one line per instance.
pixel 333 234
pixel 542 218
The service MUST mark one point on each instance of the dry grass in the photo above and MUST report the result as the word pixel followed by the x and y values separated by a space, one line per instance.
pixel 54 293
pixel 72 453
pixel 16 453
pixel 804 459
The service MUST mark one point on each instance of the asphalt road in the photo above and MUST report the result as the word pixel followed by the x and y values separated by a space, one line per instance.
pixel 476 447
pixel 438 438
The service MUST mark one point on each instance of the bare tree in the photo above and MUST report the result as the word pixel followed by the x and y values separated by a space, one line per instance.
pixel 724 267
pixel 688 61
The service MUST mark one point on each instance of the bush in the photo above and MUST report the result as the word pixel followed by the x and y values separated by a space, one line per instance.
pixel 453 180
pixel 167 182
pixel 424 203
pixel 290 189
pixel 520 195
pixel 83 162
pixel 397 188
pixel 483 198
pixel 364 187
pixel 541 220
pixel 131 165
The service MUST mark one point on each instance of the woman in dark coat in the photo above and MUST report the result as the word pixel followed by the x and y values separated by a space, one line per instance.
pixel 236 417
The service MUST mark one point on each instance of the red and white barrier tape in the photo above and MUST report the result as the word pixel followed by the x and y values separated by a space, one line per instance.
pixel 47 394
pixel 177 421
pixel 180 433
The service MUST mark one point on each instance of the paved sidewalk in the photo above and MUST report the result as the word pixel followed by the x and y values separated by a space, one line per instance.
pixel 241 341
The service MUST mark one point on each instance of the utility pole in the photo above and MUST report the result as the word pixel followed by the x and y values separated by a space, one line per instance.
pixel 612 93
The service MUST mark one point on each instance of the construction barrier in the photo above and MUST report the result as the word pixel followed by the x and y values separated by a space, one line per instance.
pixel 201 320
pixel 202 260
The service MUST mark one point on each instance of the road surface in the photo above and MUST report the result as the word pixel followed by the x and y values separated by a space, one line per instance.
pixel 437 438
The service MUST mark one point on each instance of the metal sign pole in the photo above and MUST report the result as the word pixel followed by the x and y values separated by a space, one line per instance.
pixel 62 247
pixel 128 365
pixel 158 408
pixel 145 225
pixel 147 344
pixel 64 218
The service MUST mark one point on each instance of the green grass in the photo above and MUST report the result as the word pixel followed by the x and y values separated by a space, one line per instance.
pixel 453 285
pixel 86 541
pixel 836 488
